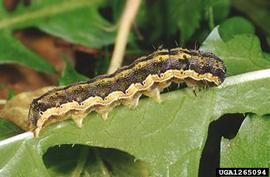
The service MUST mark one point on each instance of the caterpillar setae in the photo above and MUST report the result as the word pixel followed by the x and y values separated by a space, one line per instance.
pixel 147 75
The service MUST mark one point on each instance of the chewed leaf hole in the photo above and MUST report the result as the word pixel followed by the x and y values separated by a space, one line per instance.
pixel 226 126
pixel 66 159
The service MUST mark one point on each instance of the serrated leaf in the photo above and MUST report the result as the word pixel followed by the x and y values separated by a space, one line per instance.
pixel 241 54
pixel 168 137
pixel 84 26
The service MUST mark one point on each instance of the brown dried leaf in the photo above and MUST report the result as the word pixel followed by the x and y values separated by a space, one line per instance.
pixel 16 110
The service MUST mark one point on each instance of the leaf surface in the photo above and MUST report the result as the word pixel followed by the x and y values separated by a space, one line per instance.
pixel 75 21
pixel 168 138
pixel 241 54
pixel 250 148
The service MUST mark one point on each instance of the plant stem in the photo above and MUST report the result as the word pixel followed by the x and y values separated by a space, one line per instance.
pixel 211 18
pixel 126 21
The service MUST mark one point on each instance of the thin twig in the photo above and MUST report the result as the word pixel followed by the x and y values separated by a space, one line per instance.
pixel 126 21
pixel 211 18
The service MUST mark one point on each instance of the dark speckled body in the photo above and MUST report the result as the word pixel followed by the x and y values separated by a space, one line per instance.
pixel 101 86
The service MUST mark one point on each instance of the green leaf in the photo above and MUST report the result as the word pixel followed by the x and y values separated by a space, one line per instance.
pixel 8 129
pixel 221 9
pixel 250 148
pixel 179 14
pixel 215 11
pixel 77 21
pixel 84 26
pixel 14 51
pixel 10 92
pixel 103 63
pixel 175 17
pixel 234 26
pixel 257 11
pixel 70 75
pixel 168 137
pixel 267 56
pixel 241 54
pixel 268 40
pixel 118 7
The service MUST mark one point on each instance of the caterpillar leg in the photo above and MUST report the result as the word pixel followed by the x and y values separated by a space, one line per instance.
pixel 192 84
pixel 132 102
pixel 154 93
pixel 36 131
pixel 104 111
pixel 78 119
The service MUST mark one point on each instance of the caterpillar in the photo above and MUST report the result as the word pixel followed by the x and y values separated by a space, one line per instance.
pixel 147 75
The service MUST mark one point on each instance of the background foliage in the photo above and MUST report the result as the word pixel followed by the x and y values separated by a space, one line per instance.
pixel 165 139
